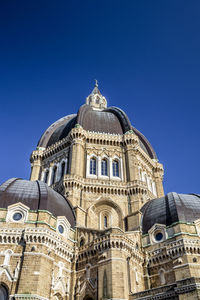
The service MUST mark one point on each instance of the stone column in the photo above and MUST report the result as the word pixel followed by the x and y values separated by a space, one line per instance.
pixel 58 172
pixel 99 167
pixel 154 188
pixel 110 168
pixel 88 166
pixel 129 275
pixel 66 163
pixel 121 169
pixel 50 175
pixel 42 175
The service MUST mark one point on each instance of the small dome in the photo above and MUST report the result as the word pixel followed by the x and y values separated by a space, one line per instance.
pixel 36 195
pixel 170 209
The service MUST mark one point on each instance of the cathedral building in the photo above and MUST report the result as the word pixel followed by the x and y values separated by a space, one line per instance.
pixel 93 221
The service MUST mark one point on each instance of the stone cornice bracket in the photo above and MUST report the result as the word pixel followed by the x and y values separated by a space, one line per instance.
pixel 158 170
pixel 36 155
pixel 130 138
pixel 78 133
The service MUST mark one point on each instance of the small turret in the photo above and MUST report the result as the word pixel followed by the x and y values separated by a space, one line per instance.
pixel 95 99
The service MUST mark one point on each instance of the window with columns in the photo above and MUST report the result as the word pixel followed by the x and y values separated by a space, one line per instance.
pixel 104 167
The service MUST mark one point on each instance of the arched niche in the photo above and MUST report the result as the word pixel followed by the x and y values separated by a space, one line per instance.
pixel 105 207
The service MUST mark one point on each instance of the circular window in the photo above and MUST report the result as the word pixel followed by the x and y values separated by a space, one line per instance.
pixel 17 216
pixel 60 228
pixel 158 236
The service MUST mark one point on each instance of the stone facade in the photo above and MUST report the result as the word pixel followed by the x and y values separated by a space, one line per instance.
pixel 108 178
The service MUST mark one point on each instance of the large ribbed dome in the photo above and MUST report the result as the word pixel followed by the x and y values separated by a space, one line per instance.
pixel 170 209
pixel 36 195
pixel 111 120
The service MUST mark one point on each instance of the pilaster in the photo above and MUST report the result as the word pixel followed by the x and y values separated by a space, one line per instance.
pixel 36 162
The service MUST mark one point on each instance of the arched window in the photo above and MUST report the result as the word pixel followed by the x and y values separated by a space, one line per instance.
pixel 115 168
pixel 105 222
pixel 46 176
pixel 93 166
pixel 104 167
pixel 62 169
pixel 3 293
pixel 54 174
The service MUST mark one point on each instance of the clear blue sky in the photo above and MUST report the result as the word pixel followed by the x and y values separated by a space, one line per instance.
pixel 145 55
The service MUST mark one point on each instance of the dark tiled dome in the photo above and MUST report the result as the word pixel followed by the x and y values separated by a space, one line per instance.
pixel 109 120
pixel 36 195
pixel 169 209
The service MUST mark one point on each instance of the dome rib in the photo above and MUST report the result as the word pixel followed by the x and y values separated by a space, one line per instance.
pixel 122 117
pixel 149 149
pixel 44 140
pixel 6 184
pixel 98 120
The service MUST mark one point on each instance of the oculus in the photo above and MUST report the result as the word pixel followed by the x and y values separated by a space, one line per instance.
pixel 17 216
pixel 158 236
pixel 60 229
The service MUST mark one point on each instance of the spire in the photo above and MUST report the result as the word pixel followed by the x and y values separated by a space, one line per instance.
pixel 96 88
pixel 95 99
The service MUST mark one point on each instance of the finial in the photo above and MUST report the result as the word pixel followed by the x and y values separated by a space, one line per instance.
pixel 96 83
